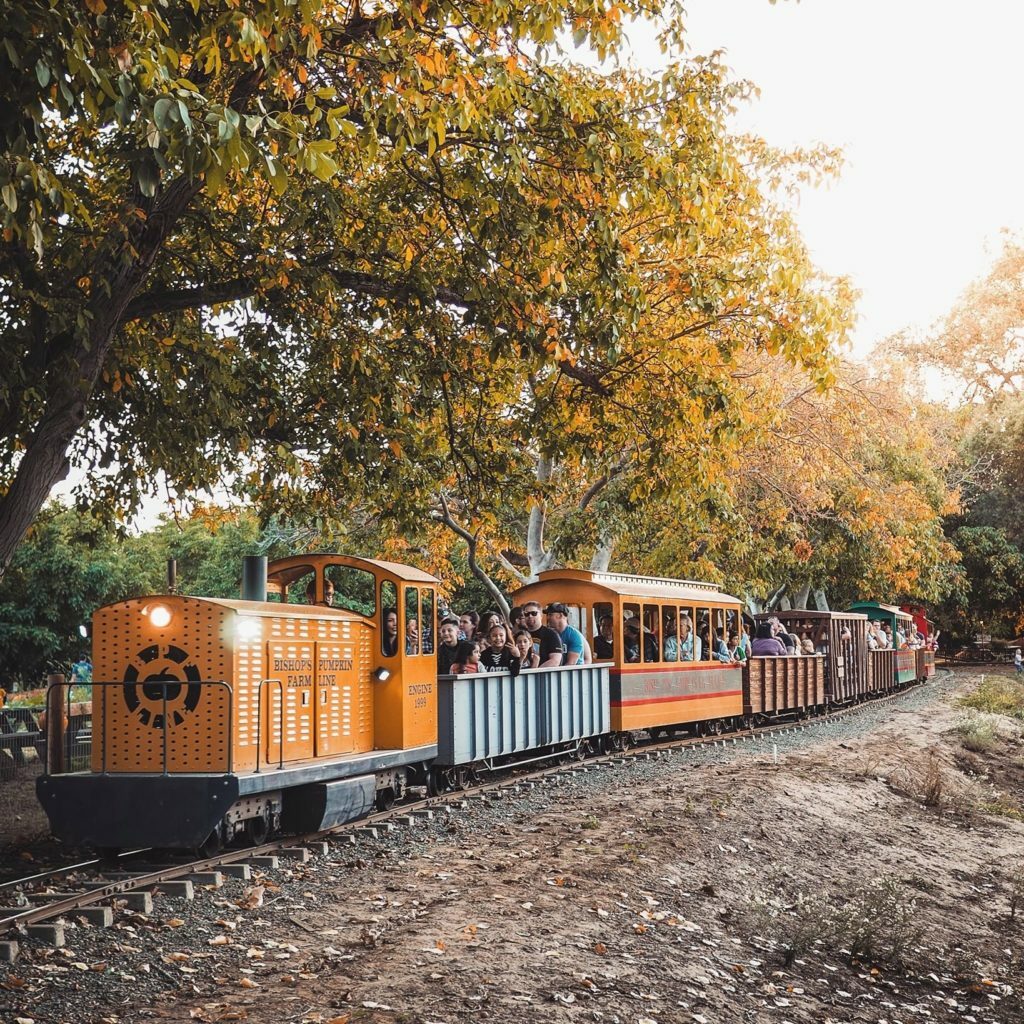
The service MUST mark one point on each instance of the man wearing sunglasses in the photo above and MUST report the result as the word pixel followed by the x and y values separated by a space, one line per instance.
pixel 546 642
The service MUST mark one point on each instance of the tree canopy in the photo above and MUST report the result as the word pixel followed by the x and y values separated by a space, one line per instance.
pixel 346 255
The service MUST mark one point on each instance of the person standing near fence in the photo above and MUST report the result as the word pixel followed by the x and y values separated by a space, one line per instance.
pixel 1018 662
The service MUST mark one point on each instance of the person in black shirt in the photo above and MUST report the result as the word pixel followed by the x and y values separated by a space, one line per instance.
pixel 448 648
pixel 546 642
pixel 604 641
pixel 498 655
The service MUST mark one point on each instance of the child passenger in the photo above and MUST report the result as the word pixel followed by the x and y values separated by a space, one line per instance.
pixel 498 656
pixel 468 658
pixel 528 657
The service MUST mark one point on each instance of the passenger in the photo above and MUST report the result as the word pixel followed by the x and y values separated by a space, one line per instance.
pixel 499 655
pixel 468 621
pixel 487 620
pixel 631 631
pixel 670 650
pixel 745 643
pixel 720 649
pixel 570 637
pixel 604 642
pixel 736 649
pixel 390 643
pixel 412 637
pixel 468 658
pixel 447 649
pixel 791 642
pixel 631 637
pixel 687 640
pixel 887 632
pixel 765 645
pixel 524 645
pixel 808 646
pixel 515 618
pixel 328 600
pixel 546 642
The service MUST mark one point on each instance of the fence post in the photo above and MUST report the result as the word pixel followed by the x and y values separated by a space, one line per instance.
pixel 56 692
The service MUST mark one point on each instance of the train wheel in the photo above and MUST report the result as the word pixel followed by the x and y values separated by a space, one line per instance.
pixel 256 830
pixel 622 741
pixel 462 778
pixel 211 845
pixel 385 799
pixel 435 784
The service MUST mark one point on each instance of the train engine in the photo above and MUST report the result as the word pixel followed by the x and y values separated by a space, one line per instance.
pixel 309 702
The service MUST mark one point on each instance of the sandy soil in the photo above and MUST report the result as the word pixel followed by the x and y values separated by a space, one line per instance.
pixel 861 879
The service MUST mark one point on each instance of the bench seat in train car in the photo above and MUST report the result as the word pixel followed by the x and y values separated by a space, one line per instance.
pixel 657 678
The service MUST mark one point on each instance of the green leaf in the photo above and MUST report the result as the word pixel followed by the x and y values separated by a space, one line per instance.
pixel 162 113
pixel 42 73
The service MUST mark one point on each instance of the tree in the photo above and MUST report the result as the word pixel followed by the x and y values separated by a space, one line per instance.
pixel 69 565
pixel 980 342
pixel 832 496
pixel 214 215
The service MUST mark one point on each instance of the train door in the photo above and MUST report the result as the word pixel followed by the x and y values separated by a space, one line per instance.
pixel 289 698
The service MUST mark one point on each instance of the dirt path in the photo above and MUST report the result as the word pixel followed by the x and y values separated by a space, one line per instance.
pixel 857 879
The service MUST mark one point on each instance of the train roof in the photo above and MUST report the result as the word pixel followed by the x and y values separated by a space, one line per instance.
pixel 806 613
pixel 626 585
pixel 889 609
pixel 408 573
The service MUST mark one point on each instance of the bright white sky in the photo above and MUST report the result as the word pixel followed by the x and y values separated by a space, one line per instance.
pixel 924 98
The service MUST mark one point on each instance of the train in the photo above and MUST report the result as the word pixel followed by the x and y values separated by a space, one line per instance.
pixel 314 698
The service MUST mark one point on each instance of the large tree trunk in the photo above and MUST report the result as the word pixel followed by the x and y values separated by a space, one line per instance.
pixel 45 462
pixel 801 597
pixel 821 601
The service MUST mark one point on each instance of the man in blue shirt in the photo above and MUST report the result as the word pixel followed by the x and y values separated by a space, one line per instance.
pixel 571 637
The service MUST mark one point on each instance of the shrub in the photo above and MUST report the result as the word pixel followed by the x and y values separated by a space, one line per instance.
pixel 997 696
pixel 978 733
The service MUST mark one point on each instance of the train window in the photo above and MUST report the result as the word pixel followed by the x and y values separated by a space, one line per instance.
pixel 300 590
pixel 720 635
pixel 631 632
pixel 652 628
pixel 669 634
pixel 353 589
pixel 389 619
pixel 427 620
pixel 706 651
pixel 603 639
pixel 412 620
pixel 685 627
pixel 732 628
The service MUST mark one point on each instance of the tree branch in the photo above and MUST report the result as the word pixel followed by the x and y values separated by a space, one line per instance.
pixel 472 543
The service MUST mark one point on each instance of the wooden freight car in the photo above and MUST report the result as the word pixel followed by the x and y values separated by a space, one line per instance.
pixel 840 637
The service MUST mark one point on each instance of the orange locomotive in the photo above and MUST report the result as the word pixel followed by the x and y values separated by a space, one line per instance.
pixel 213 717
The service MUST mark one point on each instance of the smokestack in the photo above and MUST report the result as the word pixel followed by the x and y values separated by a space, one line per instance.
pixel 172 575
pixel 254 578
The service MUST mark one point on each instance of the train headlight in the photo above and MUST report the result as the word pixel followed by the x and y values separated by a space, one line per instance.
pixel 382 675
pixel 159 615
pixel 248 628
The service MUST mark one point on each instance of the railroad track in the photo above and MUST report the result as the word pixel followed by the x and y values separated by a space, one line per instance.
pixel 82 888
